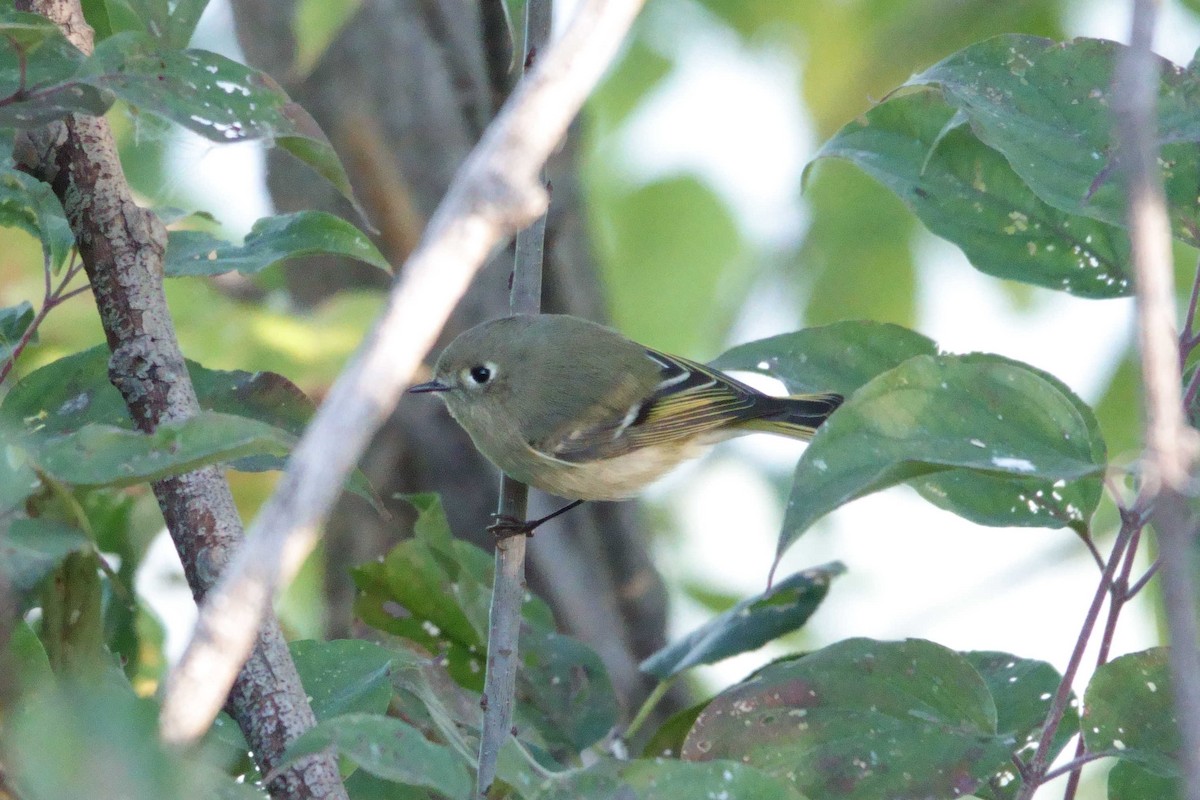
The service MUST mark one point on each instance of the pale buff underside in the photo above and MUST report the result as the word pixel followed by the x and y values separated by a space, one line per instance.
pixel 618 478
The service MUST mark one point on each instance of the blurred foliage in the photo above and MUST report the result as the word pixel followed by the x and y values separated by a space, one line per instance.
pixel 989 164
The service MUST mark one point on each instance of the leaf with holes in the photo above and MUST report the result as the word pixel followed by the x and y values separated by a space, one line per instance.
pixel 1129 711
pixel 1022 690
pixel 213 96
pixel 967 193
pixel 860 719
pixel 1047 107
pixel 932 414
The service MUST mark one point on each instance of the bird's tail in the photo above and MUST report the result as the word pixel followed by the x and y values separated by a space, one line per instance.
pixel 797 416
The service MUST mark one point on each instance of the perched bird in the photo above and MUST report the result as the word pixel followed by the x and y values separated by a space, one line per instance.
pixel 580 411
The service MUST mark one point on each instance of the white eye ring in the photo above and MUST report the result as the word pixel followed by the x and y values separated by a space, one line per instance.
pixel 480 374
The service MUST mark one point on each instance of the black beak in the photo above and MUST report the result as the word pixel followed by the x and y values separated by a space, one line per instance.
pixel 432 386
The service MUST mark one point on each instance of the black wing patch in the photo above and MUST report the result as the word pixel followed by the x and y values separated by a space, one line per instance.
pixel 690 399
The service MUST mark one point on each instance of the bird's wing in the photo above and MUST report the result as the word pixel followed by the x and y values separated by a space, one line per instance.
pixel 689 399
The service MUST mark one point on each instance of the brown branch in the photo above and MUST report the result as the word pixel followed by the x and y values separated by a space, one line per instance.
pixel 1170 443
pixel 122 248
pixel 508 583
pixel 494 194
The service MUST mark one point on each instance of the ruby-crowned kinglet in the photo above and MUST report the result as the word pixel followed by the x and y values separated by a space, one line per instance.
pixel 578 410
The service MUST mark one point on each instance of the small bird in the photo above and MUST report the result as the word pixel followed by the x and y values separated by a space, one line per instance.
pixel 580 411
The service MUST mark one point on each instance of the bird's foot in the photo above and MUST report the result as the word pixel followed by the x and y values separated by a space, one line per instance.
pixel 506 527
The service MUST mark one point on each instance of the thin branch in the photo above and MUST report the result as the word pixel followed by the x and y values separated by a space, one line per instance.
pixel 1119 595
pixel 1062 696
pixel 51 297
pixel 494 193
pixel 1079 761
pixel 508 588
pixel 1170 443
pixel 1141 582
pixel 121 247
pixel 1187 339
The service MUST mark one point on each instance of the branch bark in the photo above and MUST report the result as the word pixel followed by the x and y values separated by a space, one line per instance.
pixel 508 582
pixel 494 194
pixel 1170 443
pixel 122 248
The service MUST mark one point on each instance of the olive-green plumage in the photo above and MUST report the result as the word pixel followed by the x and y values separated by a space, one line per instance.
pixel 578 410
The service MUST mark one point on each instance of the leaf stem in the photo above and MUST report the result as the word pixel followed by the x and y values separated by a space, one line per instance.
pixel 648 705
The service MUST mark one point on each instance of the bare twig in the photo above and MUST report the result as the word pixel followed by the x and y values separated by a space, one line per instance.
pixel 1170 443
pixel 508 587
pixel 1119 595
pixel 1078 762
pixel 52 297
pixel 1036 769
pixel 494 193
pixel 122 246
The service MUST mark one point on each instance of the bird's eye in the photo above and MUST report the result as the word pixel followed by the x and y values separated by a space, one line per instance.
pixel 480 374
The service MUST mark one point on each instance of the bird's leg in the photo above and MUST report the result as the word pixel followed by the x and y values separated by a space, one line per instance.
pixel 505 527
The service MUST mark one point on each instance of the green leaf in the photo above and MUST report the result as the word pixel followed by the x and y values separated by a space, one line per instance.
pixel 966 192
pixel 315 24
pixel 667 741
pixel 27 656
pixel 432 590
pixel 1022 690
pixel 106 455
pixel 30 549
pixel 830 358
pixel 663 779
pixel 565 690
pixel 861 719
pixel 843 260
pixel 1018 501
pixel 1048 108
pixel 748 625
pixel 933 413
pixel 184 19
pixel 387 748
pixel 514 19
pixel 31 205
pixel 1129 708
pixel 102 724
pixel 1128 780
pixel 14 321
pixel 141 16
pixel 213 96
pixel 345 676
pixel 33 44
pixel 666 779
pixel 435 591
pixel 362 785
pixel 697 263
pixel 75 391
pixel 18 481
pixel 271 241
